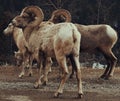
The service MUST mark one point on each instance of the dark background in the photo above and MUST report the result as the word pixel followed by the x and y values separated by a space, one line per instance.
pixel 82 11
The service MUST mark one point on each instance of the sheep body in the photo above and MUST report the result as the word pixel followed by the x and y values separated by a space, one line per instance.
pixel 60 41
pixel 100 38
pixel 52 42
pixel 21 55
pixel 94 37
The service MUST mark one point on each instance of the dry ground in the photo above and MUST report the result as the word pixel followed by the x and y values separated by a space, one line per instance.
pixel 13 88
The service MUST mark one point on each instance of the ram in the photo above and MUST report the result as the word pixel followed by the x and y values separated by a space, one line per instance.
pixel 57 40
pixel 22 54
pixel 94 38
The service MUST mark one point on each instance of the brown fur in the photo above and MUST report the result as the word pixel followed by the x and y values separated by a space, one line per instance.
pixel 21 55
pixel 60 15
pixel 95 37
pixel 46 42
pixel 17 36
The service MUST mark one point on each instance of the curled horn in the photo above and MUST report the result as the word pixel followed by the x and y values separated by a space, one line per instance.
pixel 60 15
pixel 35 12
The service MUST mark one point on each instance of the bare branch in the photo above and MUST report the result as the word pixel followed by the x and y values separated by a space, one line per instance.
pixel 63 2
pixel 111 6
pixel 53 4
pixel 98 14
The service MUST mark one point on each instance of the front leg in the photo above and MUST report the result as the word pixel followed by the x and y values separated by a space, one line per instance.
pixel 38 82
pixel 30 73
pixel 40 62
pixel 23 70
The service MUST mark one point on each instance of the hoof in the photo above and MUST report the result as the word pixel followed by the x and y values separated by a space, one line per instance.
pixel 27 67
pixel 102 76
pixel 30 74
pixel 50 71
pixel 44 83
pixel 80 96
pixel 36 86
pixel 107 77
pixel 20 76
pixel 57 94
pixel 71 77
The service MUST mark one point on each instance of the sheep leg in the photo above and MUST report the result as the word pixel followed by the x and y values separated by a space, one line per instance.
pixel 103 76
pixel 78 76
pixel 71 75
pixel 38 82
pixel 49 65
pixel 24 64
pixel 111 64
pixel 113 60
pixel 23 70
pixel 73 65
pixel 30 67
pixel 46 71
pixel 63 65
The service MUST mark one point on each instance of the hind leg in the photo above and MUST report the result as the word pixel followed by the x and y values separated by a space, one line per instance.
pixel 47 69
pixel 106 70
pixel 63 65
pixel 111 59
pixel 78 76
pixel 73 65
pixel 113 64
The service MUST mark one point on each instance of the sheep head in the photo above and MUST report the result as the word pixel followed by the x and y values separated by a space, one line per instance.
pixel 30 16
pixel 9 29
pixel 60 15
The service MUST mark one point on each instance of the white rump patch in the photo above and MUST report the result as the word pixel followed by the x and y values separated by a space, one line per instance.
pixel 110 31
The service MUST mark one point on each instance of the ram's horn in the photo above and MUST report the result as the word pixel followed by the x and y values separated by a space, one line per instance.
pixel 34 11
pixel 60 15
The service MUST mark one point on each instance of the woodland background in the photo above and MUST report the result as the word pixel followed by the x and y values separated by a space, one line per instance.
pixel 83 12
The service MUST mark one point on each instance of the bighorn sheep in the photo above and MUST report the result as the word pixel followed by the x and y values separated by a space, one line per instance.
pixel 100 38
pixel 22 54
pixel 57 40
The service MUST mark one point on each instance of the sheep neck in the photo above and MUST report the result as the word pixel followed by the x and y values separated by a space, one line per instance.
pixel 15 34
pixel 27 32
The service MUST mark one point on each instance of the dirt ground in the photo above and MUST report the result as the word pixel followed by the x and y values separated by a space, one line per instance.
pixel 13 88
